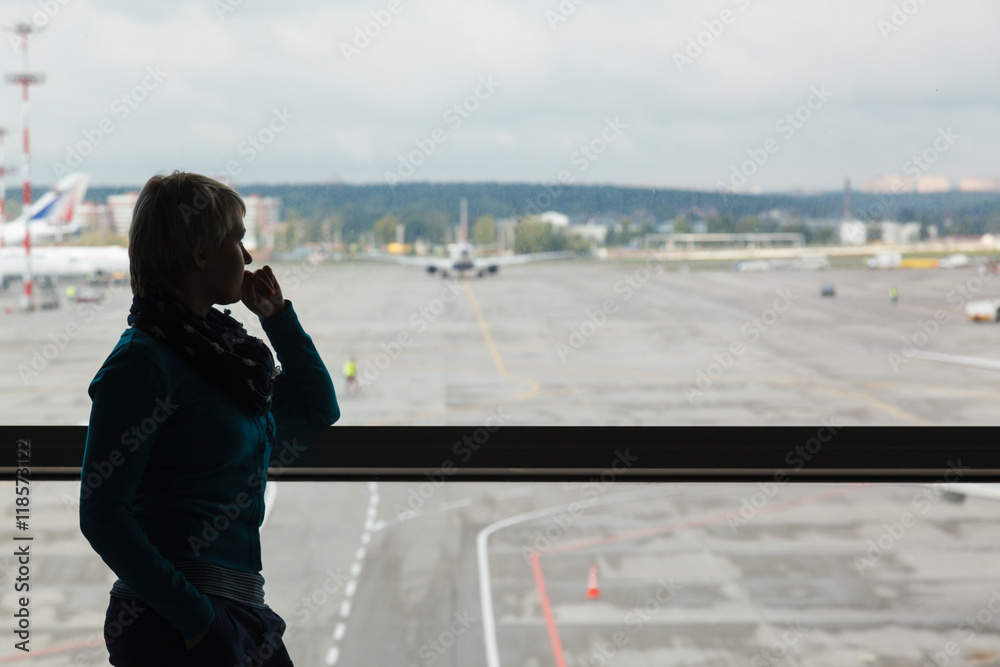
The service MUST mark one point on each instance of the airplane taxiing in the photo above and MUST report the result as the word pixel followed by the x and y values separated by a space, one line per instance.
pixel 463 257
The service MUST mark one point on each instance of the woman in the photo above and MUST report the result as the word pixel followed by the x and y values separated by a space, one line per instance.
pixel 186 411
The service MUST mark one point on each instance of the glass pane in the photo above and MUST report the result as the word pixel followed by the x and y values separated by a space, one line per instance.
pixel 617 131
pixel 515 574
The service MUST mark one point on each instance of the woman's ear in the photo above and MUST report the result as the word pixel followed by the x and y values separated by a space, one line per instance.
pixel 198 258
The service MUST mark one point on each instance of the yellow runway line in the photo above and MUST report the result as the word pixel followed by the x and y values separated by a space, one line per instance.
pixel 875 403
pixel 534 387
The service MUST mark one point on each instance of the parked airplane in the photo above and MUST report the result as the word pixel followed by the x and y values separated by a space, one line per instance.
pixel 62 262
pixel 51 217
pixel 463 256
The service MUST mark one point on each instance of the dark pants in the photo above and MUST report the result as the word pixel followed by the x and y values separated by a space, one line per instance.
pixel 240 636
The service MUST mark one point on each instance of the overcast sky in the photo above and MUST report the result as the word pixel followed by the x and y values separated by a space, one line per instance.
pixel 278 72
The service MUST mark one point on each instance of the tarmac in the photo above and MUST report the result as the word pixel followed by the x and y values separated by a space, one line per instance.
pixel 499 574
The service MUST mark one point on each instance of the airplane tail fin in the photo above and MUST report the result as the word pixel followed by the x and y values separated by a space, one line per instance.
pixel 58 206
pixel 463 221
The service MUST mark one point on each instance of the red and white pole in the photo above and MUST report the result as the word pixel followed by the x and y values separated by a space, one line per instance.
pixel 25 150
pixel 3 192
pixel 24 78
pixel 3 186
pixel 27 265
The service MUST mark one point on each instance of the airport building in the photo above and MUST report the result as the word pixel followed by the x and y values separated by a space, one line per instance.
pixel 667 242
pixel 852 232
pixel 262 219
pixel 120 208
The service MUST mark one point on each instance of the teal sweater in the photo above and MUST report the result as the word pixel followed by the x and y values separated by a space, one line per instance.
pixel 171 458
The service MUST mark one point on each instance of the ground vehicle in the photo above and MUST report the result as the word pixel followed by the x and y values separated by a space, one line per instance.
pixel 86 294
pixel 811 263
pixel 828 289
pixel 885 260
pixel 983 310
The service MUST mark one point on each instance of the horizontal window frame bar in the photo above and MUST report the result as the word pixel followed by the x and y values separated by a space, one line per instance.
pixel 595 454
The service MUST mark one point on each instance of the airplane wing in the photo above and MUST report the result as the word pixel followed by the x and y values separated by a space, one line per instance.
pixel 505 260
pixel 439 263
pixel 446 265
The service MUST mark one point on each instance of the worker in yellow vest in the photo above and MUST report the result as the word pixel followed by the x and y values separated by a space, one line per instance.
pixel 351 375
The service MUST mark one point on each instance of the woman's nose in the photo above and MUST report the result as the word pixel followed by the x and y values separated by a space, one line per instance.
pixel 246 256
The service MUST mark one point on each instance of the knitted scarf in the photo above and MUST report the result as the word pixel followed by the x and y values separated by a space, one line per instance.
pixel 217 346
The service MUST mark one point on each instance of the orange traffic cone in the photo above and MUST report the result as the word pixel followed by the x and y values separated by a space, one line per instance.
pixel 593 592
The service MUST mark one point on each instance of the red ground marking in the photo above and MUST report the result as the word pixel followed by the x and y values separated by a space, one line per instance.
pixel 536 564
pixel 62 648
pixel 543 598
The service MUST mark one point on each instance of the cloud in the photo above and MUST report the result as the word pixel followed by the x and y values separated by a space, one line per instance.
pixel 608 58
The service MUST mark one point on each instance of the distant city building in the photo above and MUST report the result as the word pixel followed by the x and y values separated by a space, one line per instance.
pixel 670 242
pixel 120 208
pixel 889 183
pixel 897 183
pixel 93 216
pixel 852 232
pixel 262 218
pixel 596 233
pixel 554 218
pixel 979 184
pixel 505 232
pixel 929 183
pixel 897 233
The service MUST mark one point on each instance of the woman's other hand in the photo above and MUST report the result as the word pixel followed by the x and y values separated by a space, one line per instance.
pixel 191 643
pixel 262 294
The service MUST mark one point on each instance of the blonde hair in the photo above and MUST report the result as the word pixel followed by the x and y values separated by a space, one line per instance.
pixel 174 215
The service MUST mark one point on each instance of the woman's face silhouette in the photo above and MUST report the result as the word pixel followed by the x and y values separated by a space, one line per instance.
pixel 222 273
